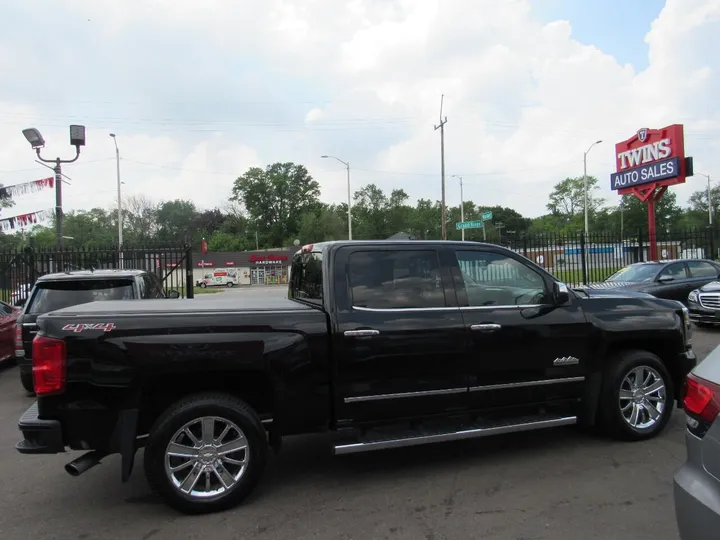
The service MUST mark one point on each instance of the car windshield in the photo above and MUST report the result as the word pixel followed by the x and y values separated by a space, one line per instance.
pixel 636 273
pixel 53 295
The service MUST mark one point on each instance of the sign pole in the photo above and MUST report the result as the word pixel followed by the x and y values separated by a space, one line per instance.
pixel 484 232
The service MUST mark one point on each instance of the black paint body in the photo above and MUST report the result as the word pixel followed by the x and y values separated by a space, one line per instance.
pixel 290 358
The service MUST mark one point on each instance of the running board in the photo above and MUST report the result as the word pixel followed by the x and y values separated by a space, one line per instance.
pixel 381 440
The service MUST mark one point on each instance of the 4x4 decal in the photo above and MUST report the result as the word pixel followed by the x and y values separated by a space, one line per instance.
pixel 81 327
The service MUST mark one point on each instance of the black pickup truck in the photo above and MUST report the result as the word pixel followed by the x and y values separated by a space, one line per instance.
pixel 384 344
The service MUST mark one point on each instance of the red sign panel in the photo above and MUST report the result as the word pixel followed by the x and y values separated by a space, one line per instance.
pixel 650 156
pixel 267 258
pixel 229 263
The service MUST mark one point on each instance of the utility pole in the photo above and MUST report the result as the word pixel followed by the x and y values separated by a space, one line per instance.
pixel 709 198
pixel 441 127
pixel 462 204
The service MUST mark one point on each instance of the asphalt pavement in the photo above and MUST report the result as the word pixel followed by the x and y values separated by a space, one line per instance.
pixel 557 484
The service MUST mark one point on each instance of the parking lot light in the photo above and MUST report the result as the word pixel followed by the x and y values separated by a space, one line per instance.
pixel 34 137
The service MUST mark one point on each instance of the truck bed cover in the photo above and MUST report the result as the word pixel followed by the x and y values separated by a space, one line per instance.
pixel 228 302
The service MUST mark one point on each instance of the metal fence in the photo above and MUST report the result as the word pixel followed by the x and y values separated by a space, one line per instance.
pixel 577 258
pixel 20 268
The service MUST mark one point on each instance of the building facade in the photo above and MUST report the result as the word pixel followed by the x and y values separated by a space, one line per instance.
pixel 254 268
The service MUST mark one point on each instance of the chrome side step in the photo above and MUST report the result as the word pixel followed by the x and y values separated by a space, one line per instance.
pixel 374 440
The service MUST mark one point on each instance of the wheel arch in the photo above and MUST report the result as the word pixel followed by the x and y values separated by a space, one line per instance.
pixel 159 393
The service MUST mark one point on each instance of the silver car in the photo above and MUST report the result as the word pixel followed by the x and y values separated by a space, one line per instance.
pixel 697 482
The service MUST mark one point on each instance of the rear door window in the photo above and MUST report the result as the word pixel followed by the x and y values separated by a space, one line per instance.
pixel 396 280
pixel 53 295
pixel 702 269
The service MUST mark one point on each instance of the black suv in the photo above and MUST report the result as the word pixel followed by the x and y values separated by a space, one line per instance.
pixel 57 291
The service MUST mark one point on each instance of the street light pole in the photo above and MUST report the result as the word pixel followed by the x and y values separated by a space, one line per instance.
pixel 77 139
pixel 117 166
pixel 585 186
pixel 709 198
pixel 349 198
pixel 462 204
pixel 119 201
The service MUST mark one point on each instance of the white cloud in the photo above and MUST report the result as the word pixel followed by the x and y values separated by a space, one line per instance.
pixel 202 91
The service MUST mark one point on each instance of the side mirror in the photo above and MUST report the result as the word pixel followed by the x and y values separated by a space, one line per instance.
pixel 561 293
pixel 665 279
pixel 173 294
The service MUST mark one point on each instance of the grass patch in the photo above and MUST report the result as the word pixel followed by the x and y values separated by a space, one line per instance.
pixel 196 290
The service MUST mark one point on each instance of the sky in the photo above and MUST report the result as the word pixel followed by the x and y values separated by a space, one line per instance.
pixel 198 92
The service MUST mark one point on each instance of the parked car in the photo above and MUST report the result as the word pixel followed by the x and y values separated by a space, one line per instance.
pixel 704 304
pixel 61 290
pixel 383 344
pixel 664 279
pixel 697 483
pixel 8 318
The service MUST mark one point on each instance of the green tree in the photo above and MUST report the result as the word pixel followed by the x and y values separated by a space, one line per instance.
pixel 567 199
pixel 139 220
pixel 177 221
pixel 321 225
pixel 668 214
pixel 276 199
pixel 370 214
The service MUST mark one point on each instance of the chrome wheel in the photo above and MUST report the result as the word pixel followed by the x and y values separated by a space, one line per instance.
pixel 206 458
pixel 642 397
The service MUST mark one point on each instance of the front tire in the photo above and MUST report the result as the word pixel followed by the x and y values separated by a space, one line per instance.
pixel 637 396
pixel 206 453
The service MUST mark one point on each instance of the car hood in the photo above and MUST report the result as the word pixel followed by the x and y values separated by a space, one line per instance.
pixel 713 286
pixel 615 292
pixel 625 285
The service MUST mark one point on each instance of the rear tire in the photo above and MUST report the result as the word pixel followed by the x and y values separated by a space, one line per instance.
pixel 637 396
pixel 214 466
pixel 230 284
pixel 26 379
pixel 203 285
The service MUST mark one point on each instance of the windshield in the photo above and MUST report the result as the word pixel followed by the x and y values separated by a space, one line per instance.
pixel 635 274
pixel 54 295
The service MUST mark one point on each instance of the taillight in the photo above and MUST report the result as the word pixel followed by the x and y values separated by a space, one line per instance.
pixel 702 398
pixel 19 347
pixel 48 361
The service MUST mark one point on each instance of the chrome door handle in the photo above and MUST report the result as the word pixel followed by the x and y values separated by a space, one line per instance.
pixel 361 333
pixel 485 327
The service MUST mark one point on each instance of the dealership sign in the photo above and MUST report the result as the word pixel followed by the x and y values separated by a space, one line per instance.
pixel 649 156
